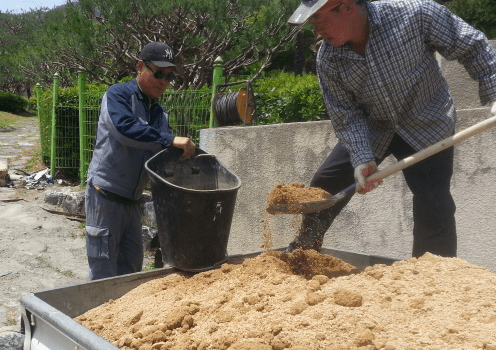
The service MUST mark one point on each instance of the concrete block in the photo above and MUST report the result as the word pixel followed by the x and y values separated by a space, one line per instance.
pixel 11 341
pixel 74 203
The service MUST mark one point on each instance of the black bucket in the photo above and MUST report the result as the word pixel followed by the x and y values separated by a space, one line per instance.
pixel 194 203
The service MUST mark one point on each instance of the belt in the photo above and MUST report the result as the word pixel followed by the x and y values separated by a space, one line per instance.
pixel 114 197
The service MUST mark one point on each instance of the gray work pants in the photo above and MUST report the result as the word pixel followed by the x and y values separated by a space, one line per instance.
pixel 114 243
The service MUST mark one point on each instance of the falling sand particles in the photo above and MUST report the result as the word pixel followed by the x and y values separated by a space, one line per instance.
pixel 290 196
pixel 307 301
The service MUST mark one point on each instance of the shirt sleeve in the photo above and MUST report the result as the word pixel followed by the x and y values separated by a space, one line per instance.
pixel 348 120
pixel 453 38
pixel 128 129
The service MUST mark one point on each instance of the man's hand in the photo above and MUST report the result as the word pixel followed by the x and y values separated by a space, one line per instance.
pixel 186 144
pixel 493 108
pixel 363 171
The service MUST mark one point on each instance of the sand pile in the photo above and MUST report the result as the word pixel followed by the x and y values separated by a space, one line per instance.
pixel 290 198
pixel 308 301
pixel 295 193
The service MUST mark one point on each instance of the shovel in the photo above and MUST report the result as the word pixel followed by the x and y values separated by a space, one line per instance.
pixel 312 207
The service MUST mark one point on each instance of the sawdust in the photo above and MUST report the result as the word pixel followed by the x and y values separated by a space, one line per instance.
pixel 307 301
pixel 291 196
pixel 273 224
pixel 267 240
pixel 295 193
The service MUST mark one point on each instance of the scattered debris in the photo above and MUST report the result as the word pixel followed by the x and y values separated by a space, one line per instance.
pixel 41 174
pixel 38 180
pixel 23 171
pixel 11 200
pixel 69 215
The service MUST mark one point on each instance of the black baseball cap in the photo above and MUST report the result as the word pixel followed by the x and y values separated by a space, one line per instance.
pixel 159 54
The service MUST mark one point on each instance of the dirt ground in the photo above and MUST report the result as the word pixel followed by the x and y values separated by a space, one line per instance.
pixel 38 251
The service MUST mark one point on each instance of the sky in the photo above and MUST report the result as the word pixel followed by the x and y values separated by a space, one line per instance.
pixel 19 6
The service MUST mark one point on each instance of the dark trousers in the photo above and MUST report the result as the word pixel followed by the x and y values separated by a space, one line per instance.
pixel 434 228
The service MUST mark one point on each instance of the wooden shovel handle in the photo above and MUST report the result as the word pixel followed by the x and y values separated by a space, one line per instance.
pixel 433 149
pixel 311 207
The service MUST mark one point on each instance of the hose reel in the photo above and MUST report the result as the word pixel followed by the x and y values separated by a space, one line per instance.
pixel 234 107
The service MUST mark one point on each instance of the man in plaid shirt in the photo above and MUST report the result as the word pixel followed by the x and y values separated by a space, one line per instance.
pixel 385 94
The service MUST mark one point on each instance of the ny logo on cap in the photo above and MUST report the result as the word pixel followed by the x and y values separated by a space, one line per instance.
pixel 168 54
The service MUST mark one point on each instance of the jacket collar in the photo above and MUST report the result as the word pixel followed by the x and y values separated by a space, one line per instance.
pixel 141 95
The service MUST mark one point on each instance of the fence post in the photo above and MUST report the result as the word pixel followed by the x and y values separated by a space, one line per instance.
pixel 37 91
pixel 216 80
pixel 82 125
pixel 53 146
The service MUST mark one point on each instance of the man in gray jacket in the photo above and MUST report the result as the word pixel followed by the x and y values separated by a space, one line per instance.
pixel 132 127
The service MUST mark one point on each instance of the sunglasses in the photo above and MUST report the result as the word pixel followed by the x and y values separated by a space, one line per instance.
pixel 158 74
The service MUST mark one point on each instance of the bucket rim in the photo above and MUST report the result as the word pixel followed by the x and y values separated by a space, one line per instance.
pixel 161 179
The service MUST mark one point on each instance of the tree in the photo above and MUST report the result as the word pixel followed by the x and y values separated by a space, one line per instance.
pixel 15 32
pixel 481 14
pixel 104 37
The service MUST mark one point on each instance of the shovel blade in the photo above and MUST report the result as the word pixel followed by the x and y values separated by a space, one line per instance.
pixel 312 207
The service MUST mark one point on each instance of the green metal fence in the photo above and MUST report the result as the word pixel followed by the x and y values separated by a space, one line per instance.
pixel 64 137
pixel 65 160
pixel 189 112
pixel 68 130
pixel 89 121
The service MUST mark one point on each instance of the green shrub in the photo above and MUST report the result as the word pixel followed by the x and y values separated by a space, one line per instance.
pixel 126 79
pixel 67 120
pixel 10 102
pixel 32 103
pixel 480 14
pixel 285 98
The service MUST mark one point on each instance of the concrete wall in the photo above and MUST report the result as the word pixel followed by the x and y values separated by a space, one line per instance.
pixel 379 223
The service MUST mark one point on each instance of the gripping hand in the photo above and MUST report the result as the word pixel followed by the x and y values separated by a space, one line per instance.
pixel 186 144
pixel 362 171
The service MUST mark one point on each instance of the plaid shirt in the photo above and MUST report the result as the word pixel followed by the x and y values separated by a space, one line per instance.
pixel 398 86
